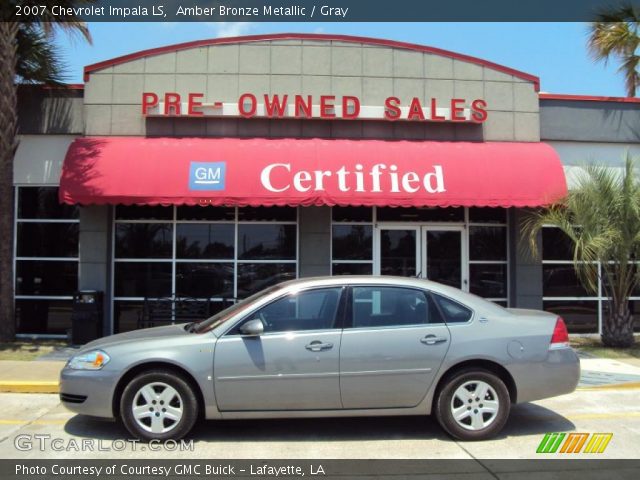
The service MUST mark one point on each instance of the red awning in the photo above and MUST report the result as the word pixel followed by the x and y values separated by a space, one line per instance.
pixel 233 171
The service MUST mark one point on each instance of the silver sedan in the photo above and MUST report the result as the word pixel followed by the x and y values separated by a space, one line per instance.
pixel 334 346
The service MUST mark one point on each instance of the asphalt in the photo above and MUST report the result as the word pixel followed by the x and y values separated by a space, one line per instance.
pixel 35 421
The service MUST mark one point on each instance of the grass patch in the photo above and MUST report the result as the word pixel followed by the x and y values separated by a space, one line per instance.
pixel 594 347
pixel 28 350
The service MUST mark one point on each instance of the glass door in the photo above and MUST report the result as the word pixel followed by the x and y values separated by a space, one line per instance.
pixel 444 255
pixel 398 251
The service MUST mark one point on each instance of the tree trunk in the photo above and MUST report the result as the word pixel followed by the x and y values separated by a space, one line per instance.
pixel 617 330
pixel 8 145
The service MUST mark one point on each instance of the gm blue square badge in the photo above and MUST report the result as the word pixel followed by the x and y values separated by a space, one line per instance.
pixel 207 175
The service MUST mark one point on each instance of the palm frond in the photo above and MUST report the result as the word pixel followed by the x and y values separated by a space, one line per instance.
pixel 38 59
pixel 72 24
pixel 615 34
pixel 601 218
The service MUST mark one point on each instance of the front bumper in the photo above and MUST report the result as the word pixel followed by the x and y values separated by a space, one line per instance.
pixel 89 392
pixel 559 374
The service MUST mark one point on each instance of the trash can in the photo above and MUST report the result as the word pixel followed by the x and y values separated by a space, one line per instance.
pixel 86 317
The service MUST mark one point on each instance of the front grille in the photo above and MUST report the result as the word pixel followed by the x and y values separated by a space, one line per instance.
pixel 69 398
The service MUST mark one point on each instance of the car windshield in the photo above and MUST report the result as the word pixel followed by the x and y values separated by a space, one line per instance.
pixel 221 317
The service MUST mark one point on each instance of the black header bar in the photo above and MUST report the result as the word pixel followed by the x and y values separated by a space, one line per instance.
pixel 214 469
pixel 314 10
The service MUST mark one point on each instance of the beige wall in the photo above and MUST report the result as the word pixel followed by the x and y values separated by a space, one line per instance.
pixel 222 72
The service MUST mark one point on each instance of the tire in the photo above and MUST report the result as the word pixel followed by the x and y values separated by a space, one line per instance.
pixel 475 422
pixel 173 414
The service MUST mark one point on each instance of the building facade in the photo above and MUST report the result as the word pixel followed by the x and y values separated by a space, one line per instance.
pixel 216 168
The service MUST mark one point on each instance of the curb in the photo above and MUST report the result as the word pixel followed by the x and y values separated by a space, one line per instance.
pixel 612 386
pixel 54 387
pixel 29 387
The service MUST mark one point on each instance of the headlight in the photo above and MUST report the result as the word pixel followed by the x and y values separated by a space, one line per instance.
pixel 93 360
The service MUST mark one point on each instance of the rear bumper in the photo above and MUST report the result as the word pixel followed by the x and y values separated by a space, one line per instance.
pixel 559 374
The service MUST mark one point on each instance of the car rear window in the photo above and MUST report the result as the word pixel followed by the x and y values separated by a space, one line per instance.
pixel 454 312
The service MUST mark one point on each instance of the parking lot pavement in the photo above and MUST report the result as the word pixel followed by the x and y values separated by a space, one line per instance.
pixel 24 415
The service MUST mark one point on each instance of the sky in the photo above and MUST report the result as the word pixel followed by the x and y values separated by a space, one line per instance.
pixel 555 52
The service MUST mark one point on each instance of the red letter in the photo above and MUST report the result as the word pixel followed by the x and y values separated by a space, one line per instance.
pixel 326 108
pixel 455 110
pixel 171 100
pixel 193 104
pixel 303 108
pixel 415 110
pixel 275 106
pixel 434 112
pixel 346 100
pixel 478 110
pixel 148 100
pixel 391 108
pixel 252 109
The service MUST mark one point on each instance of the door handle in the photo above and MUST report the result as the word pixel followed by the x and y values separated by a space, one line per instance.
pixel 432 340
pixel 318 346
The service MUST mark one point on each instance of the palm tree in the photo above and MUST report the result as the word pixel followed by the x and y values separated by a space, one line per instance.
pixel 27 55
pixel 615 34
pixel 601 217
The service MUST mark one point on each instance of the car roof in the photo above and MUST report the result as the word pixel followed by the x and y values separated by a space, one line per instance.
pixel 345 280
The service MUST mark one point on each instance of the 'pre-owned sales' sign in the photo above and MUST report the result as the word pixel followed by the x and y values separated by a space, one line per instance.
pixel 346 107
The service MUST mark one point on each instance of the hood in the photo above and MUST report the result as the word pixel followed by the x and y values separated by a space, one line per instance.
pixel 136 336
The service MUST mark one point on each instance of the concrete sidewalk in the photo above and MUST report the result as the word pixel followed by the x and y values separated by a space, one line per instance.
pixel 42 376
pixel 30 376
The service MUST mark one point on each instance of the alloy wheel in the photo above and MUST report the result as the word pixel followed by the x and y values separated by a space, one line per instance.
pixel 157 407
pixel 475 405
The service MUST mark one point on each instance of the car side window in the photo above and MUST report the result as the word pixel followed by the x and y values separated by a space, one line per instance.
pixel 307 310
pixel 453 311
pixel 380 306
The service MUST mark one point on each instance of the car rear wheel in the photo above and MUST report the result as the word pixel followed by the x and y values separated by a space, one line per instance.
pixel 473 405
pixel 158 405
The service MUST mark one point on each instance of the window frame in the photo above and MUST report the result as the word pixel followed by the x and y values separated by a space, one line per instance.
pixel 349 320
pixel 36 297
pixel 466 223
pixel 174 261
pixel 434 296
pixel 341 313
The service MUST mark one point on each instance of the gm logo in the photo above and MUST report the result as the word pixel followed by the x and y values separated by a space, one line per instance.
pixel 207 175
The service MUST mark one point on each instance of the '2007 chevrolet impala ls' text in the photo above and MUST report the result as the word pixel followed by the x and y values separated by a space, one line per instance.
pixel 333 346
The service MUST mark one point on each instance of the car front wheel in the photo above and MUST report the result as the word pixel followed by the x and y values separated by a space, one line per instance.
pixel 158 405
pixel 473 405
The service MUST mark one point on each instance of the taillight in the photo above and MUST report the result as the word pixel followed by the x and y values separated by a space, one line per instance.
pixel 560 337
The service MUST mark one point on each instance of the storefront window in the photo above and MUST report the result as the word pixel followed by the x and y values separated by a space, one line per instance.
pixel 581 316
pixel 419 214
pixel 488 265
pixel 352 247
pixel 203 240
pixel 583 310
pixel 212 254
pixel 487 243
pixel 395 241
pixel 488 280
pixel 487 215
pixel 266 242
pixel 352 240
pixel 352 214
pixel 143 240
pixel 46 272
pixel 142 279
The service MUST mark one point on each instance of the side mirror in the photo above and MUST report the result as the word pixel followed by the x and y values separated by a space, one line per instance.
pixel 253 328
